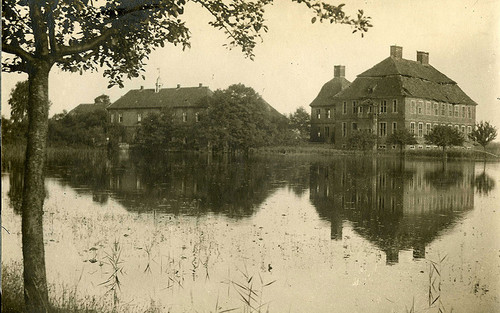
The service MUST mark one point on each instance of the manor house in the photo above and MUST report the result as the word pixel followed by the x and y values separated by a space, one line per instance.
pixel 393 94
pixel 185 102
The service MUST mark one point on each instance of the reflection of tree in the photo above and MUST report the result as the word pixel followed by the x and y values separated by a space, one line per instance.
pixel 484 184
pixel 389 203
pixel 444 179
pixel 175 183
pixel 193 185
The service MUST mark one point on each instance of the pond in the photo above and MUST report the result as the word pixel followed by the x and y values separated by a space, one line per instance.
pixel 191 233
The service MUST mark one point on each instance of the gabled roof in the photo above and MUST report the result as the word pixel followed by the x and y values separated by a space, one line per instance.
pixel 166 97
pixel 395 77
pixel 330 89
pixel 88 107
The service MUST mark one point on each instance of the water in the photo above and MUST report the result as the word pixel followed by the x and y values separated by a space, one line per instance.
pixel 306 234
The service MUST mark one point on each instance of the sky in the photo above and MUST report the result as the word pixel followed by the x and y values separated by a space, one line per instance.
pixel 296 57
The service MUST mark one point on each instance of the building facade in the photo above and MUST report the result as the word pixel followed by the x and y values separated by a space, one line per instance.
pixel 396 93
pixel 323 111
pixel 186 104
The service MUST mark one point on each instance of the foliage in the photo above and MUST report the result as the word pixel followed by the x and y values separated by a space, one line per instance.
pixel 91 129
pixel 14 132
pixel 401 137
pixel 18 102
pixel 444 136
pixel 300 123
pixel 483 133
pixel 119 35
pixel 155 131
pixel 361 140
pixel 238 118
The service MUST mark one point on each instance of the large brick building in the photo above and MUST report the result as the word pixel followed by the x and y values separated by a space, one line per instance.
pixel 135 105
pixel 393 94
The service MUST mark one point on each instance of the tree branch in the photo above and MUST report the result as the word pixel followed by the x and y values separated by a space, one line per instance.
pixel 86 45
pixel 26 56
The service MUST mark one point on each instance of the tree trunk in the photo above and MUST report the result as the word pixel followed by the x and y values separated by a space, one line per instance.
pixel 35 278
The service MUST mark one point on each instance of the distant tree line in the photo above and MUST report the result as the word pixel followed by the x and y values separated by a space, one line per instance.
pixel 237 119
pixel 85 128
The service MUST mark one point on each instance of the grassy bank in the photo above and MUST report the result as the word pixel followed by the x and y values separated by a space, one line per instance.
pixel 328 149
pixel 64 299
pixel 17 152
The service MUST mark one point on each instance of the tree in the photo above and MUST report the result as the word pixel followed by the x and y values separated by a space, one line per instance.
pixel 82 35
pixel 238 119
pixel 483 134
pixel 18 102
pixel 361 140
pixel 300 123
pixel 402 137
pixel 444 136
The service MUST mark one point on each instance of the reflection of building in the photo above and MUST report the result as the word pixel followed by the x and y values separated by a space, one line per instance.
pixel 397 206
pixel 395 93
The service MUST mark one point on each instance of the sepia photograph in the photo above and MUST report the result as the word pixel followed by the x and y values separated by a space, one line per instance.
pixel 250 156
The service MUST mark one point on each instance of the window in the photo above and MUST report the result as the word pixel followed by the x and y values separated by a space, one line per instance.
pixel 469 129
pixel 394 106
pixel 436 108
pixel 394 127
pixel 354 107
pixel 463 111
pixel 327 131
pixel 382 129
pixel 360 109
pixel 420 129
pixel 184 117
pixel 419 108
pixel 450 109
pixel 197 117
pixel 457 127
pixel 443 109
pixel 412 107
pixel 370 109
pixel 344 129
pixel 469 112
pixel 463 129
pixel 319 132
pixel 383 106
pixel 428 108
pixel 318 113
pixel 428 128
pixel 120 118
pixel 456 110
pixel 354 126
pixel 112 118
pixel 139 117
pixel 328 113
pixel 344 109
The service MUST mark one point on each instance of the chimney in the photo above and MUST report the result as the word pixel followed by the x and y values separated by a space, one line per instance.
pixel 142 88
pixel 178 86
pixel 397 52
pixel 339 71
pixel 423 57
pixel 200 85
